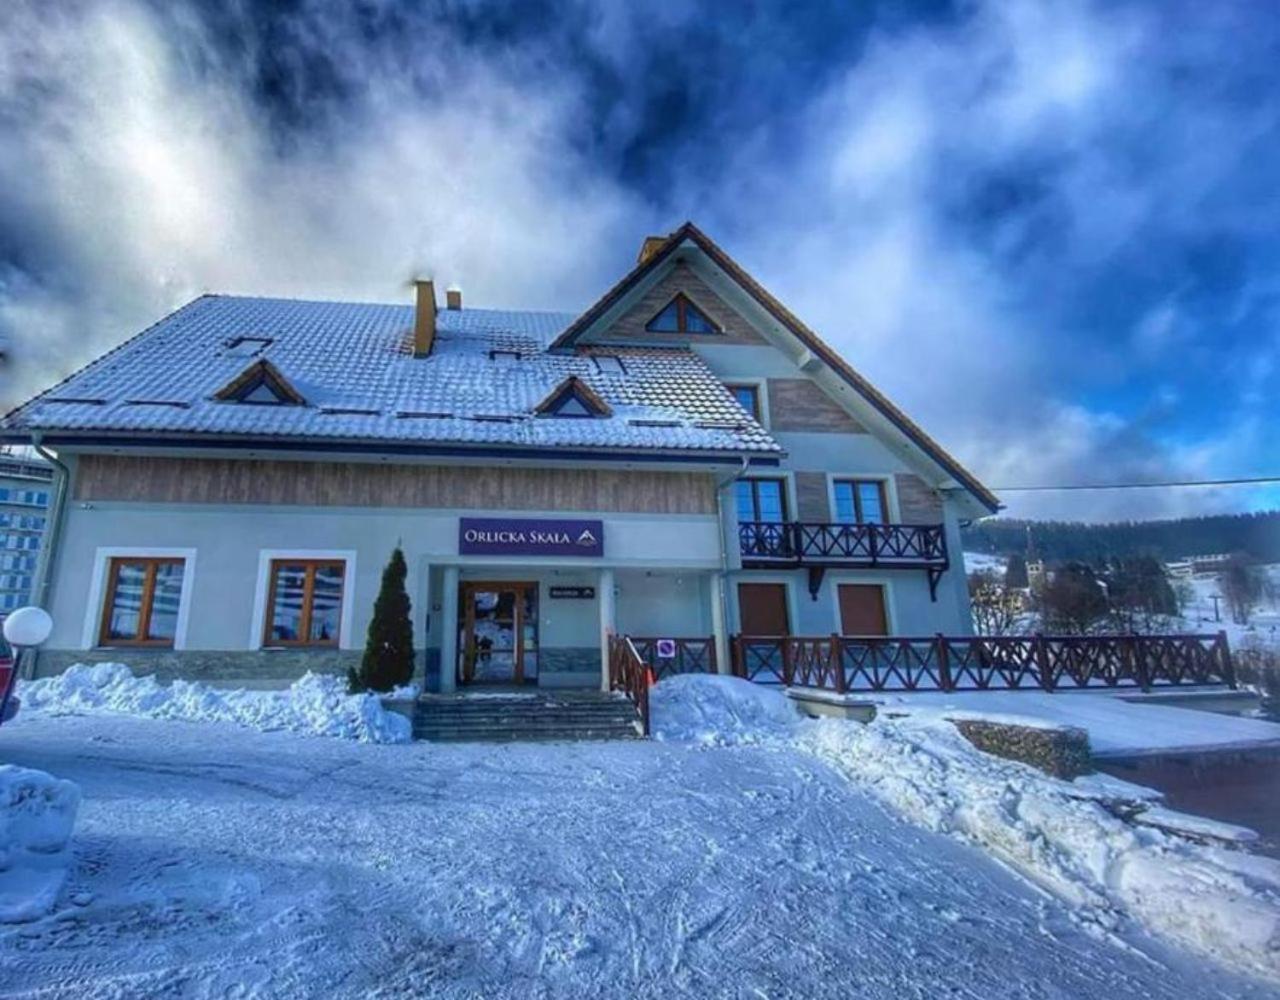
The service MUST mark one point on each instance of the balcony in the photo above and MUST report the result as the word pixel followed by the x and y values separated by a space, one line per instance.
pixel 819 547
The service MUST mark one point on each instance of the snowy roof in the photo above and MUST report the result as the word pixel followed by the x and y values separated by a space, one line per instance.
pixel 353 364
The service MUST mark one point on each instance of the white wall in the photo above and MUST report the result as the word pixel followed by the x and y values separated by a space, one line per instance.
pixel 229 539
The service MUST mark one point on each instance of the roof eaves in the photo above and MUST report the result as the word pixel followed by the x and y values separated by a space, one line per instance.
pixel 210 440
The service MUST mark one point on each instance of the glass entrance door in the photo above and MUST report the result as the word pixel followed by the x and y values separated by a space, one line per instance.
pixel 498 634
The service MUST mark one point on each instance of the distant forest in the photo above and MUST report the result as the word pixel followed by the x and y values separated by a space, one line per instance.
pixel 1056 541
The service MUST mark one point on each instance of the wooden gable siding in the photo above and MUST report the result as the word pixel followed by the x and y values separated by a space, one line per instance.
pixel 811 497
pixel 335 484
pixel 918 503
pixel 800 404
pixel 682 278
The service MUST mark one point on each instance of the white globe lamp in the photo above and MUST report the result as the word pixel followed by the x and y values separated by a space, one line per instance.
pixel 27 627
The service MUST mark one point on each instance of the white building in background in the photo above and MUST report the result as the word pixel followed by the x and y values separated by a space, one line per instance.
pixel 25 492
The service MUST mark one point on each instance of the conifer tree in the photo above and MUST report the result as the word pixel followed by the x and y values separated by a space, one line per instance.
pixel 388 649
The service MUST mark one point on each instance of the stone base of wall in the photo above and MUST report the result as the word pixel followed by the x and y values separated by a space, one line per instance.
pixel 563 667
pixel 1061 751
pixel 569 660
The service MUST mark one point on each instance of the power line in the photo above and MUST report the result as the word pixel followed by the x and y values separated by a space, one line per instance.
pixel 1174 484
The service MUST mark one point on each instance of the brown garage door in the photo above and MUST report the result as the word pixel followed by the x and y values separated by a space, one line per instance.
pixel 862 609
pixel 762 608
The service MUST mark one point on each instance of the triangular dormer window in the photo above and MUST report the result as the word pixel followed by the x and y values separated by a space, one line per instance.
pixel 260 384
pixel 681 316
pixel 573 398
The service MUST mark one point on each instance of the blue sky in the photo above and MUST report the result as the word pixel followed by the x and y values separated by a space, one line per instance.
pixel 1047 229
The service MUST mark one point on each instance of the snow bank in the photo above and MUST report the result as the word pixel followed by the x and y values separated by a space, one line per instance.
pixel 1116 726
pixel 709 708
pixel 315 704
pixel 1076 839
pixel 37 812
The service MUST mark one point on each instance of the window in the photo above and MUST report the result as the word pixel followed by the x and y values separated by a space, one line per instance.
pixel 246 347
pixel 762 609
pixel 761 500
pixel 681 316
pixel 860 501
pixel 304 603
pixel 573 398
pixel 143 597
pixel 609 364
pixel 261 384
pixel 748 397
pixel 862 610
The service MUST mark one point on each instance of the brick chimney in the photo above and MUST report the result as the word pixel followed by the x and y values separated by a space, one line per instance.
pixel 424 318
pixel 650 246
pixel 453 297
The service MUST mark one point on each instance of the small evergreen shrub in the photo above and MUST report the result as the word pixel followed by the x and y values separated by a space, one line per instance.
pixel 388 649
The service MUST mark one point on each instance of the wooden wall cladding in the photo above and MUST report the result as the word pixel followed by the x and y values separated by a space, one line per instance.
pixel 811 497
pixel 918 503
pixel 337 484
pixel 800 404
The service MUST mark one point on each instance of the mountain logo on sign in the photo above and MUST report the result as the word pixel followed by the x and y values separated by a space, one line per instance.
pixel 586 538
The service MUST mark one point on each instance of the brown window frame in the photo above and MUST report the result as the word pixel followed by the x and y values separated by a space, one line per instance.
pixel 879 484
pixel 682 303
pixel 146 606
pixel 754 389
pixel 308 592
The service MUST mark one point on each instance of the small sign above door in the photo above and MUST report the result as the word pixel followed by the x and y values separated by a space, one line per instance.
pixel 507 536
pixel 573 593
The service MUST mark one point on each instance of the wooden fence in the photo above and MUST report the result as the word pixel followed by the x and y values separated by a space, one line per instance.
pixel 666 657
pixel 981 663
pixel 628 674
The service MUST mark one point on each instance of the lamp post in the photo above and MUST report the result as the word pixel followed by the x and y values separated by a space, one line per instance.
pixel 25 629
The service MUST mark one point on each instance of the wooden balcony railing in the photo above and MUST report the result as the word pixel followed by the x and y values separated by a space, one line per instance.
pixel 820 546
pixel 667 657
pixel 979 663
pixel 628 674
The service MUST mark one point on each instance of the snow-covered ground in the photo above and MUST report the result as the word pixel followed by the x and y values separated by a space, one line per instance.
pixel 1077 839
pixel 213 860
pixel 1115 726
pixel 1264 622
pixel 982 562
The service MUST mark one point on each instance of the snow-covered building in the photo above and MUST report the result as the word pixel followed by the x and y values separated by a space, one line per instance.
pixel 684 459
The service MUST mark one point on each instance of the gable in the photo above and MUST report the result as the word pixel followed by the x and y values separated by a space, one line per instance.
pixel 260 383
pixel 573 398
pixel 633 325
pixel 813 355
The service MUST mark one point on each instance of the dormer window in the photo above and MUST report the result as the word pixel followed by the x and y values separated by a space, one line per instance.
pixel 573 398
pixel 681 316
pixel 260 384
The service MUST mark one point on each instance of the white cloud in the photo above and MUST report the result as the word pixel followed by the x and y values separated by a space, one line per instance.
pixel 960 319
pixel 153 183
pixel 936 206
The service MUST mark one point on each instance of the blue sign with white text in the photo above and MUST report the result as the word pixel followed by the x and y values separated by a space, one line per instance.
pixel 508 536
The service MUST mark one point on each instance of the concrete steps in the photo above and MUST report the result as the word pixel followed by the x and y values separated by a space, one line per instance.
pixel 502 719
